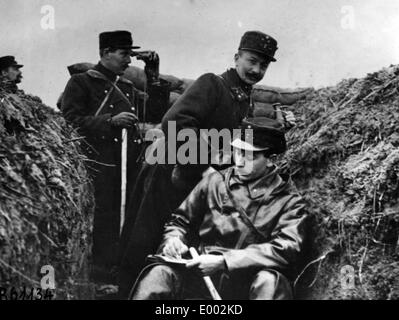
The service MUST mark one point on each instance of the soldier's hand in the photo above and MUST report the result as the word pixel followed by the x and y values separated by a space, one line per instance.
pixel 123 120
pixel 174 248
pixel 151 60
pixel 207 264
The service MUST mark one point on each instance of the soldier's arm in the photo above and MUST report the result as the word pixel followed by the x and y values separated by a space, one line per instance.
pixel 196 104
pixel 186 220
pixel 75 107
pixel 284 247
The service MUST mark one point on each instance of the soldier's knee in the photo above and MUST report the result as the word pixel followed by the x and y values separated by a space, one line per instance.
pixel 270 285
pixel 161 269
pixel 159 282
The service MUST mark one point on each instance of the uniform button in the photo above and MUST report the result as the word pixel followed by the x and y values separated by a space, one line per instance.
pixel 102 137
pixel 116 139
pixel 105 91
pixel 111 106
pixel 133 108
pixel 127 95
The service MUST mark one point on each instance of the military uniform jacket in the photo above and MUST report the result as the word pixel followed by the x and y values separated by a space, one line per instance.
pixel 209 220
pixel 212 101
pixel 83 96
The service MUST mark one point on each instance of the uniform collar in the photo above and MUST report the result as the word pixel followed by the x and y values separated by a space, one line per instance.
pixel 234 80
pixel 106 72
pixel 99 72
pixel 259 187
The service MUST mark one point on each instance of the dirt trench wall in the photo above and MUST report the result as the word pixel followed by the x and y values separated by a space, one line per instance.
pixel 46 201
pixel 344 157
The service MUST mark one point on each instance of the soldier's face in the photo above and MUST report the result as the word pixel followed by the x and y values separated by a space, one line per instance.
pixel 118 61
pixel 250 165
pixel 250 66
pixel 13 74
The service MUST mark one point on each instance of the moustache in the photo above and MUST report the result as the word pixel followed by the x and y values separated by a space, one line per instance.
pixel 254 77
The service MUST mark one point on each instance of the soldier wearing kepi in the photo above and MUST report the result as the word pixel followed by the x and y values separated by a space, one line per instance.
pixel 10 73
pixel 247 221
pixel 211 102
pixel 100 103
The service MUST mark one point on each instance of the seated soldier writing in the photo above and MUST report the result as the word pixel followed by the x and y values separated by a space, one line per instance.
pixel 247 221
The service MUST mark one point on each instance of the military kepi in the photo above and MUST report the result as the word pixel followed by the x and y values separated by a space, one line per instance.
pixel 261 134
pixel 259 42
pixel 9 61
pixel 117 39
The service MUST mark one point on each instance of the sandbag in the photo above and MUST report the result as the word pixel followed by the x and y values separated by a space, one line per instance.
pixel 263 94
pixel 278 95
pixel 139 78
pixel 173 98
pixel 186 83
pixel 132 73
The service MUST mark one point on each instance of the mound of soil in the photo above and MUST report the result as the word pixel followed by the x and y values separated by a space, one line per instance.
pixel 344 158
pixel 46 202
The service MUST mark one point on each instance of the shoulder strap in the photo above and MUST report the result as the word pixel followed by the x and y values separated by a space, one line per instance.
pixel 113 88
pixel 97 74
pixel 104 102
pixel 121 94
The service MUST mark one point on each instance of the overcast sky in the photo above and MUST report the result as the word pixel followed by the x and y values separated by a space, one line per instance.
pixel 320 42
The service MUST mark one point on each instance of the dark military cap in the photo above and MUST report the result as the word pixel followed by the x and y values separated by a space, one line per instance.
pixel 116 39
pixel 259 42
pixel 9 61
pixel 264 134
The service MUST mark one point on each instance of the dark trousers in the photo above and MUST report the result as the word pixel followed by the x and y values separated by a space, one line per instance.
pixel 107 193
pixel 151 203
pixel 164 282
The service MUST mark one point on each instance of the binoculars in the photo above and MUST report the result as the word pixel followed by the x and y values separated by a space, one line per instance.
pixel 142 54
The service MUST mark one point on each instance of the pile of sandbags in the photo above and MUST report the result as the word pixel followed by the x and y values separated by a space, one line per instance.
pixel 46 201
pixel 132 73
pixel 261 94
pixel 344 157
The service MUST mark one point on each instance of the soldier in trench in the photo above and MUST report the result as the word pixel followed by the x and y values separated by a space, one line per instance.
pixel 10 73
pixel 100 103
pixel 248 221
pixel 211 102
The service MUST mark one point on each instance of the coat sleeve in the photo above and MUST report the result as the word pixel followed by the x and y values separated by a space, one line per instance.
pixel 284 248
pixel 186 220
pixel 196 104
pixel 75 107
